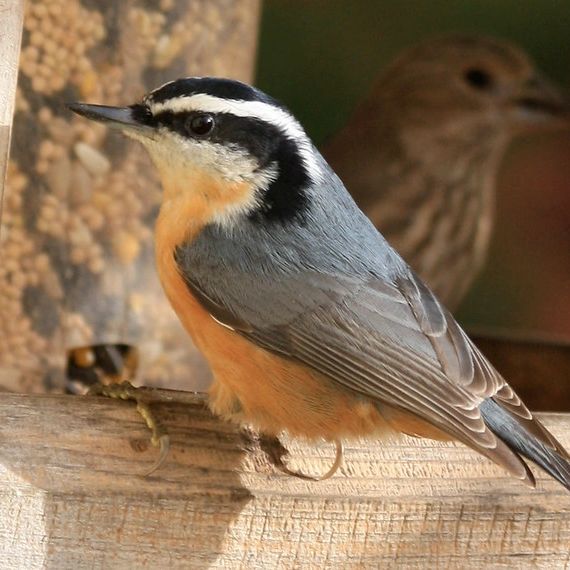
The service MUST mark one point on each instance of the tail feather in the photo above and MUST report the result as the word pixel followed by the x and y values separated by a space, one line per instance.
pixel 509 400
pixel 520 440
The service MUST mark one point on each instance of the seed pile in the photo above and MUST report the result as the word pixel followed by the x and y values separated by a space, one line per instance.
pixel 55 54
pixel 80 202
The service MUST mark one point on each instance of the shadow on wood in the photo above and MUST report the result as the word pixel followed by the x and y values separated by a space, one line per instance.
pixel 75 494
pixel 72 496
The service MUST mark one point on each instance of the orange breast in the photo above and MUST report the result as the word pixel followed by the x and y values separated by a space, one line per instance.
pixel 257 387
pixel 252 385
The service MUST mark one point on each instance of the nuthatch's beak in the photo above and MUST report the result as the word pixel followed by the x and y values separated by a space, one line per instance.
pixel 127 119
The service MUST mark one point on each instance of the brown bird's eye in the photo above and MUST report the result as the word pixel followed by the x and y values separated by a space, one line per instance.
pixel 478 78
pixel 200 124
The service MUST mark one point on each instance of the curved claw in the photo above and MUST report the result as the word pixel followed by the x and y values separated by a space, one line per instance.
pixel 164 447
pixel 126 391
pixel 337 462
pixel 276 451
pixel 160 437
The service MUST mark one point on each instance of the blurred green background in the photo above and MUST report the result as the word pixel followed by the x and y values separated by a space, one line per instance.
pixel 320 56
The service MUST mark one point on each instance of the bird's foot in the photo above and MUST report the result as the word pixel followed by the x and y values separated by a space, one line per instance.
pixel 277 452
pixel 126 391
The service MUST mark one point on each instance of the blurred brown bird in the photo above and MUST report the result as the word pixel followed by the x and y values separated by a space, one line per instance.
pixel 420 154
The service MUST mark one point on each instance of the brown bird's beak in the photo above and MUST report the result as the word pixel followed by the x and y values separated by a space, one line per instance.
pixel 540 103
pixel 128 119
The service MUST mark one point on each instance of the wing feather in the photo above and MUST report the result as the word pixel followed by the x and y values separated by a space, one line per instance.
pixel 391 342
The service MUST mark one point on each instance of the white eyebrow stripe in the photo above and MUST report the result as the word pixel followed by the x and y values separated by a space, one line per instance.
pixel 275 116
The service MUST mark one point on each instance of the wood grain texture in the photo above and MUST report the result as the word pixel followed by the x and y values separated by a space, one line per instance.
pixel 72 496
pixel 11 13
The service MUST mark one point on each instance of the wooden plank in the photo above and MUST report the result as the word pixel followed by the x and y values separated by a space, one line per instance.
pixel 72 496
pixel 11 13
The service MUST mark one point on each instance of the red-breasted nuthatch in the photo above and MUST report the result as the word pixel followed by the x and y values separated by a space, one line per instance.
pixel 312 324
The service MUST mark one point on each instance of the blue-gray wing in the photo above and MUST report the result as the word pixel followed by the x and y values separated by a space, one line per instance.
pixel 391 342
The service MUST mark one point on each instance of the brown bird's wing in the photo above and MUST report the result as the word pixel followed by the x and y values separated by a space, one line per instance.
pixel 393 343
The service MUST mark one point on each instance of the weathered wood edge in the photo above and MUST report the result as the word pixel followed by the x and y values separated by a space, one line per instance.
pixel 72 495
pixel 95 440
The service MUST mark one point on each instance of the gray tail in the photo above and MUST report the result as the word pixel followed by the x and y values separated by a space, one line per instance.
pixel 521 441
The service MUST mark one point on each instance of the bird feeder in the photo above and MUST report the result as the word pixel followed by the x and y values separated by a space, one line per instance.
pixel 78 288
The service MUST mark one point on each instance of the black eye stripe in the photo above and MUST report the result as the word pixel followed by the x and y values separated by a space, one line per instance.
pixel 186 123
pixel 170 120
pixel 142 114
pixel 285 198
pixel 252 134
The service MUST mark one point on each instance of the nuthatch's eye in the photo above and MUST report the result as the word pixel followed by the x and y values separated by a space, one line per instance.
pixel 478 78
pixel 200 124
